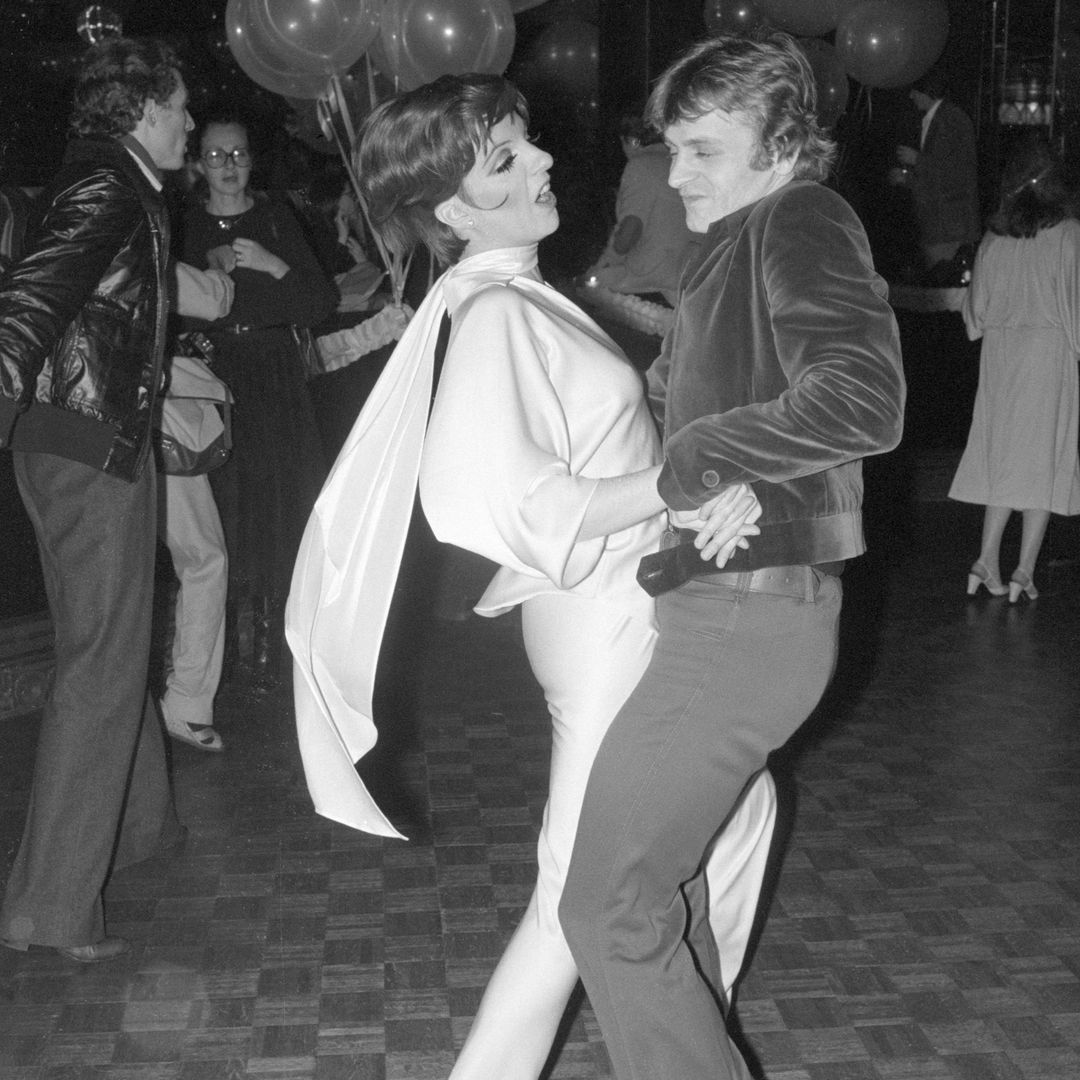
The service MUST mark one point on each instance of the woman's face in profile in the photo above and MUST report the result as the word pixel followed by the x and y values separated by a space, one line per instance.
pixel 225 158
pixel 507 193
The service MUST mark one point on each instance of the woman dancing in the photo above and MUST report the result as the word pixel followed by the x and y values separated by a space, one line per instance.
pixel 540 455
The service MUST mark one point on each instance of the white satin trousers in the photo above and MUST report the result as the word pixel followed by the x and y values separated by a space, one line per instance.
pixel 587 656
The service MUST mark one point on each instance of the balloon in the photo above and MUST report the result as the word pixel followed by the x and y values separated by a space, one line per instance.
pixel 419 40
pixel 97 23
pixel 731 16
pixel 830 77
pixel 807 18
pixel 324 37
pixel 891 43
pixel 262 66
pixel 566 57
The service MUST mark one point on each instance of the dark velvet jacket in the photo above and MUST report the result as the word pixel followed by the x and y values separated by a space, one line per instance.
pixel 82 316
pixel 782 370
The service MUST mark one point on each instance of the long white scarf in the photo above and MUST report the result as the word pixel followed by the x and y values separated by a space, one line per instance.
pixel 351 552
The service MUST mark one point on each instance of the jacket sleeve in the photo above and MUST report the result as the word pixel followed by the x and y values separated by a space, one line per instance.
pixel 836 344
pixel 305 295
pixel 81 234
pixel 201 294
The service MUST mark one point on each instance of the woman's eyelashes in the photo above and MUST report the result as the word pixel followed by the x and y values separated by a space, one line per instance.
pixel 506 164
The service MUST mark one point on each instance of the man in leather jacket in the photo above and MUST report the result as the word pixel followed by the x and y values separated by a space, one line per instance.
pixel 82 332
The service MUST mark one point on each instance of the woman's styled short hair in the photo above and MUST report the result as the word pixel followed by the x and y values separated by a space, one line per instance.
pixel 416 149
pixel 769 79
pixel 1033 193
pixel 118 76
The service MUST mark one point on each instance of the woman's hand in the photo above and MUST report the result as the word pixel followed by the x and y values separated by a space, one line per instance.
pixel 221 258
pixel 723 523
pixel 251 255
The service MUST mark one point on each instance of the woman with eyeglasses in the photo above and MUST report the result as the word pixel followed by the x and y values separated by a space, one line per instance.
pixel 267 488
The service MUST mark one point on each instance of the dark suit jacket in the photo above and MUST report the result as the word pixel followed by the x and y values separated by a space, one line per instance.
pixel 945 185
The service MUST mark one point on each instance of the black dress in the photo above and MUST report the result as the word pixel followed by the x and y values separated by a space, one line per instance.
pixel 266 490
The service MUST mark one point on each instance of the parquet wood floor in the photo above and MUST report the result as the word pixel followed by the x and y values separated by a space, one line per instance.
pixel 924 922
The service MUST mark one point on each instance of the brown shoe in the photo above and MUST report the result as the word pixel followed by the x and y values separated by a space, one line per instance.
pixel 108 948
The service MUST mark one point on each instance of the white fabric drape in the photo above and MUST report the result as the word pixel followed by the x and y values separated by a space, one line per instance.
pixel 351 552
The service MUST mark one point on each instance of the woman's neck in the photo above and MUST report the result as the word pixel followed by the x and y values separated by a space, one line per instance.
pixel 225 205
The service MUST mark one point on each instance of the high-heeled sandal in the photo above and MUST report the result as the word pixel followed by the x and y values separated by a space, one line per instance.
pixel 1021 582
pixel 979 575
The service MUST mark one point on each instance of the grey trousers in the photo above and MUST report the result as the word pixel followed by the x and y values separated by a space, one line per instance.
pixel 100 798
pixel 734 674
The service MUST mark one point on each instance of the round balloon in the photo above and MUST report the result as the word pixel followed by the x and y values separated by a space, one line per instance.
pixel 890 43
pixel 830 79
pixel 260 65
pixel 565 58
pixel 323 37
pixel 806 18
pixel 419 40
pixel 731 16
pixel 98 22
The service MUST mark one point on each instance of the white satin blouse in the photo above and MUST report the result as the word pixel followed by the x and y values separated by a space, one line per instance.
pixel 535 404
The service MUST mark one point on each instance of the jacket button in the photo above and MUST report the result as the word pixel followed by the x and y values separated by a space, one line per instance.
pixel 710 478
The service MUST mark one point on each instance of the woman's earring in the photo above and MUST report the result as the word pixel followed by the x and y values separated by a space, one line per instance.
pixel 470 223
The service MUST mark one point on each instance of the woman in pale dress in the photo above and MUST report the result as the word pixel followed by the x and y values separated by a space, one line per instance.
pixel 1024 302
pixel 540 455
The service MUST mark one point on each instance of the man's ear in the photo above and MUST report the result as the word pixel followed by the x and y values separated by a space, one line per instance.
pixel 454 213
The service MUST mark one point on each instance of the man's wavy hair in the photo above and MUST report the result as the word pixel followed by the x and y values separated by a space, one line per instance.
pixel 769 79
pixel 1033 193
pixel 416 149
pixel 116 79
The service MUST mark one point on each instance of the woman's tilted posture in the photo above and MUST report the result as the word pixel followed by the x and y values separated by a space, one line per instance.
pixel 1024 302
pixel 540 455
pixel 266 489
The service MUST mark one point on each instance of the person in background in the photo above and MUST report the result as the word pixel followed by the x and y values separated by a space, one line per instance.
pixel 782 371
pixel 943 174
pixel 650 243
pixel 191 527
pixel 541 456
pixel 82 339
pixel 1024 302
pixel 265 490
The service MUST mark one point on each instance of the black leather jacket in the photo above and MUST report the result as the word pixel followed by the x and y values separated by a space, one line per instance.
pixel 82 316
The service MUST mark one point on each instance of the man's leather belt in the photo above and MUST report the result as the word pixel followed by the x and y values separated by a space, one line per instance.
pixel 775 580
pixel 674 566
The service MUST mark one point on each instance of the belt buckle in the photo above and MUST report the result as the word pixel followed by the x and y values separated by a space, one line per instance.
pixel 669 538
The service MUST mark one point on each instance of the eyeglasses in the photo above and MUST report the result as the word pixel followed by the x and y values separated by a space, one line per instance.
pixel 241 157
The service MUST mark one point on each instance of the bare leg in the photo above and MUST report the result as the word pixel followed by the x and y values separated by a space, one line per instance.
pixel 994 521
pixel 1035 523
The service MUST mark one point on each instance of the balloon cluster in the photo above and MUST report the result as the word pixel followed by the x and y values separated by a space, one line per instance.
pixel 879 43
pixel 296 47
pixel 420 40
